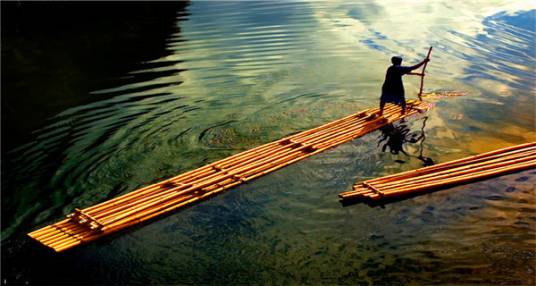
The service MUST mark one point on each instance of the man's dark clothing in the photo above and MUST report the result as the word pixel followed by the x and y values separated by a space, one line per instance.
pixel 393 89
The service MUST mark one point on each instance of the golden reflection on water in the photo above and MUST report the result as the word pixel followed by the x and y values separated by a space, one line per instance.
pixel 505 135
pixel 442 94
pixel 502 247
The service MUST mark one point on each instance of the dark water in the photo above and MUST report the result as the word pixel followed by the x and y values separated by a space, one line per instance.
pixel 91 111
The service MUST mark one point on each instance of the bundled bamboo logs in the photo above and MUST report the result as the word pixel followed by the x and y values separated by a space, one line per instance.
pixel 494 163
pixel 146 203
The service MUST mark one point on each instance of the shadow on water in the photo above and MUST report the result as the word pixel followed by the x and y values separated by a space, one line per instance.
pixel 394 137
pixel 55 53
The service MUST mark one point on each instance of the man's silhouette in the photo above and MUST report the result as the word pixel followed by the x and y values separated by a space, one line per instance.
pixel 393 89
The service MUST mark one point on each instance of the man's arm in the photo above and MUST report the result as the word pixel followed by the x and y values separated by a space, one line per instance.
pixel 419 65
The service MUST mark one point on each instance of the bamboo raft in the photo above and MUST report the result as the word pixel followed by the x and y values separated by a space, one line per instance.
pixel 494 163
pixel 85 225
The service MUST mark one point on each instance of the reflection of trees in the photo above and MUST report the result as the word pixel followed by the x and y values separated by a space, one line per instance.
pixel 55 53
pixel 394 137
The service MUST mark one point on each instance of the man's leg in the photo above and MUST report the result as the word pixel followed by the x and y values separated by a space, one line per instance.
pixel 382 105
pixel 403 105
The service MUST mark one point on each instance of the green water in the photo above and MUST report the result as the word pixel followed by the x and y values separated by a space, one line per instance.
pixel 207 79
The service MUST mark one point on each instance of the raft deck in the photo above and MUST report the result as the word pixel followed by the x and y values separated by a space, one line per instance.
pixel 85 225
pixel 478 167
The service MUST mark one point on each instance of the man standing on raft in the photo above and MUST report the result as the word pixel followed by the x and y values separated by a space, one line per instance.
pixel 393 89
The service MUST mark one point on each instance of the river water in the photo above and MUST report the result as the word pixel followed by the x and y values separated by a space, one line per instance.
pixel 90 112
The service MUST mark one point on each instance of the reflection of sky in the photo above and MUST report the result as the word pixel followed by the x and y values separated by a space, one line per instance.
pixel 502 50
pixel 341 36
pixel 486 49
pixel 407 29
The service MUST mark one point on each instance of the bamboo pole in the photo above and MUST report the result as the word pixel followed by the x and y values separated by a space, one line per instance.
pixel 155 190
pixel 412 179
pixel 423 73
pixel 460 179
pixel 498 168
pixel 448 167
pixel 173 195
pixel 390 119
pixel 321 134
pixel 164 195
pixel 254 150
pixel 104 212
pixel 247 165
pixel 297 159
pixel 174 192
pixel 130 203
pixel 461 173
pixel 128 196
pixel 391 108
pixel 448 172
pixel 162 199
pixel 416 175
pixel 461 160
pixel 304 146
pixel 170 206
pixel 59 230
pixel 44 230
pixel 168 195
pixel 190 180
pixel 193 172
pixel 51 229
pixel 59 236
pixel 50 235
pixel 64 245
pixel 313 143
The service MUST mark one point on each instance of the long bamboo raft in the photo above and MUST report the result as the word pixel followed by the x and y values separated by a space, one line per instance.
pixel 85 225
pixel 494 163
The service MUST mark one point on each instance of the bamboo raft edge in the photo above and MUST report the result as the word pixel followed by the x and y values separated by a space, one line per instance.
pixel 141 205
pixel 456 172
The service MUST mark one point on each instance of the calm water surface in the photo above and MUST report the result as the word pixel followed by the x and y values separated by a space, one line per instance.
pixel 221 77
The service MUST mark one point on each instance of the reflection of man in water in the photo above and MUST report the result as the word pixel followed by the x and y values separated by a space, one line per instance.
pixel 393 89
pixel 395 137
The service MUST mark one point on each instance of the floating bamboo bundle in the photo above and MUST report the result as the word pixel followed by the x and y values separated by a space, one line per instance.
pixel 494 163
pixel 146 203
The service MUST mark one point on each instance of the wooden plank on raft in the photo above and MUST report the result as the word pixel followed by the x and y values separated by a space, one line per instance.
pixel 478 167
pixel 143 204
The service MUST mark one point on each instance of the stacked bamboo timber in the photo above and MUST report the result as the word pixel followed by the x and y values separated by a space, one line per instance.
pixel 91 223
pixel 494 163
